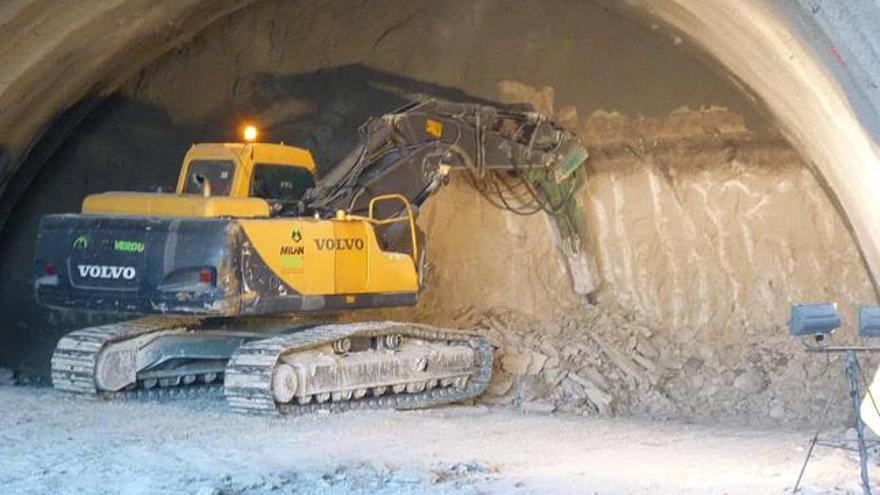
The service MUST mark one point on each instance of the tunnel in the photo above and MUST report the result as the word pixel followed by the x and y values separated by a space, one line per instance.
pixel 728 178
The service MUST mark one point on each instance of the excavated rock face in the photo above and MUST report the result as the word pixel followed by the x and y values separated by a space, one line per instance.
pixel 703 235
pixel 706 225
pixel 702 226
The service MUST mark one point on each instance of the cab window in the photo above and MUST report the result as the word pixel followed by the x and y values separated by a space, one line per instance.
pixel 218 172
pixel 281 182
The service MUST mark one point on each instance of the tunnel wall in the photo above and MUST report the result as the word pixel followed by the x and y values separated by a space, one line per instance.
pixel 704 234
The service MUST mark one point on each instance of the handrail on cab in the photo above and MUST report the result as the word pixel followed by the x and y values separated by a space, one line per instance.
pixel 409 217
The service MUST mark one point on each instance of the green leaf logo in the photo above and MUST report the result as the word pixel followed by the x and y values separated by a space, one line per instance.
pixel 80 243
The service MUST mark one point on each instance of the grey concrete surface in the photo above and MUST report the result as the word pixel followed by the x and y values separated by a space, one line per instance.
pixel 846 36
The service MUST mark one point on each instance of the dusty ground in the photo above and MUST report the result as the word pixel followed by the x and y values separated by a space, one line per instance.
pixel 55 443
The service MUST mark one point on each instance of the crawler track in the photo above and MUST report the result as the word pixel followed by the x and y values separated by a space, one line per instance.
pixel 249 374
pixel 76 355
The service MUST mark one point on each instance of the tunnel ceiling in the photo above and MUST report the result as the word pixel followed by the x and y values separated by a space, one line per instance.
pixel 56 55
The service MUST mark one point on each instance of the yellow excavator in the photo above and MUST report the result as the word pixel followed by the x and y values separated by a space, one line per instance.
pixel 252 230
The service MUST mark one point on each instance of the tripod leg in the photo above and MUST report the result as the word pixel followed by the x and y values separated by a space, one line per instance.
pixel 852 377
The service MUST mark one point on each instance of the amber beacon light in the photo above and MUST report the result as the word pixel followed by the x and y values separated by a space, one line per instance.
pixel 250 133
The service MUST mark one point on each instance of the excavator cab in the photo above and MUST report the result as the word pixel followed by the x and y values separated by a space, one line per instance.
pixel 272 172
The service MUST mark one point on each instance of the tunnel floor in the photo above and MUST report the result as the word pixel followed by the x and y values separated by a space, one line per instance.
pixel 54 443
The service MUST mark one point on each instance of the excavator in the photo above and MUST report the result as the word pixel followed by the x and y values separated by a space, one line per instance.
pixel 252 230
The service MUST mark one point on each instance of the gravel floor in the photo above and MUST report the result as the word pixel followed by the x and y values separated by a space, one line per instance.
pixel 56 443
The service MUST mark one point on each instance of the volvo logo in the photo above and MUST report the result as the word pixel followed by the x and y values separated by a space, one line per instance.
pixel 107 272
pixel 340 244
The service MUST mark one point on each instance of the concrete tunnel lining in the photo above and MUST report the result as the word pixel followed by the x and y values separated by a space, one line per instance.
pixel 622 183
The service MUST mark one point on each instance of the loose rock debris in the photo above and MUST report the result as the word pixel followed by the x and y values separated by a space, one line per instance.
pixel 598 361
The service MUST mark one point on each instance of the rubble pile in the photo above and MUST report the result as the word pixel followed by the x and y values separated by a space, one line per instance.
pixel 541 369
pixel 599 361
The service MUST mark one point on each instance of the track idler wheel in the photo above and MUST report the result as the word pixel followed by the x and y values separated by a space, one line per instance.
pixel 284 383
pixel 392 341
pixel 342 346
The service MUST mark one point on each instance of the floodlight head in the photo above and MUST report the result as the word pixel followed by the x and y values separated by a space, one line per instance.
pixel 814 319
pixel 869 321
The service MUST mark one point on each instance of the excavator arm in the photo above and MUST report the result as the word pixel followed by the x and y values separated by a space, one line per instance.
pixel 519 160
pixel 410 151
